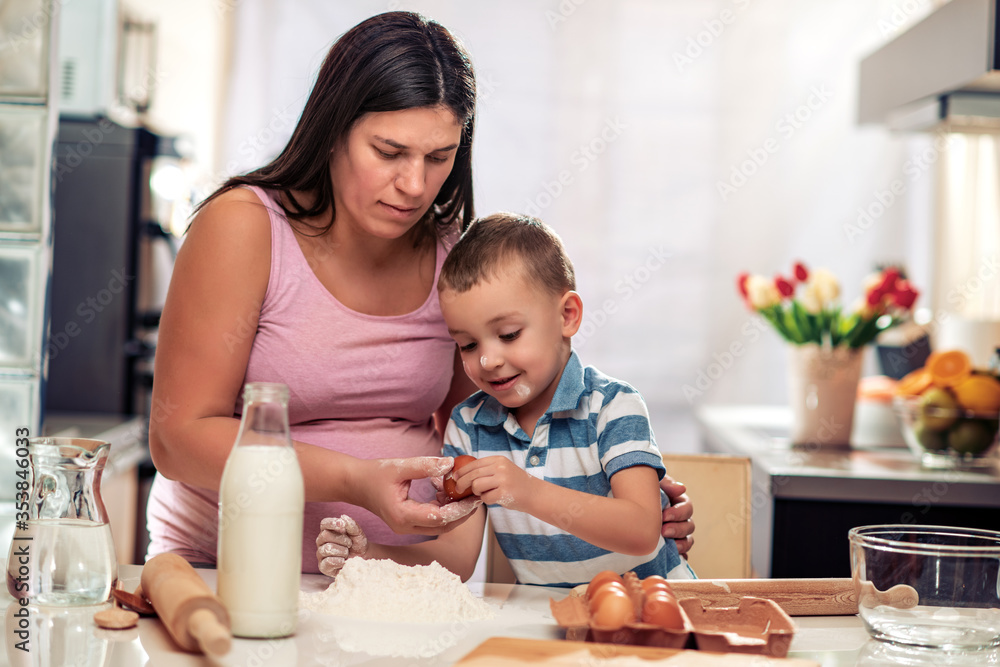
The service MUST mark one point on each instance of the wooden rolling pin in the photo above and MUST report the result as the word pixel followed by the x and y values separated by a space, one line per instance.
pixel 798 597
pixel 193 616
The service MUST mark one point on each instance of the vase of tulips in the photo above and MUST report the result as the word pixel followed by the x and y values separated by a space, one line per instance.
pixel 826 343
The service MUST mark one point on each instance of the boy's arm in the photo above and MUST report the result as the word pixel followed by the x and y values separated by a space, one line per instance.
pixel 457 550
pixel 628 523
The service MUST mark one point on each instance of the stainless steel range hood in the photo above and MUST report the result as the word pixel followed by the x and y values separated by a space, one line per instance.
pixel 942 74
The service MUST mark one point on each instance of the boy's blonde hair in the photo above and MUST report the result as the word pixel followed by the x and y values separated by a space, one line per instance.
pixel 492 244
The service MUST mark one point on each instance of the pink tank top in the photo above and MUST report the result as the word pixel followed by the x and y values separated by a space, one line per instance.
pixel 360 384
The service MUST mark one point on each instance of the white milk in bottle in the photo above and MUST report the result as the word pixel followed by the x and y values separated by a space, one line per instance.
pixel 261 504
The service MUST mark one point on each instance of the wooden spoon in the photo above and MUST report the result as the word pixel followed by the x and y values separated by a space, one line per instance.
pixel 135 602
pixel 900 596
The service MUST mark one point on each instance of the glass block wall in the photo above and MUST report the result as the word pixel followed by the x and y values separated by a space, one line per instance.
pixel 28 120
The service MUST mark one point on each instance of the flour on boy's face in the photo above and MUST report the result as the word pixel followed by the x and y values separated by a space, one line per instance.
pixel 510 337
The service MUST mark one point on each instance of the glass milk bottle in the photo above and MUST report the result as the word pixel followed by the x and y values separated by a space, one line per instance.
pixel 261 503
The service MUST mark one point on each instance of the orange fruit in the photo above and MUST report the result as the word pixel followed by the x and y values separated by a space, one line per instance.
pixel 949 368
pixel 979 393
pixel 914 383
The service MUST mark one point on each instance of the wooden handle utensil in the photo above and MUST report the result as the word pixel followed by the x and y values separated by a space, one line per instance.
pixel 900 596
pixel 798 597
pixel 194 617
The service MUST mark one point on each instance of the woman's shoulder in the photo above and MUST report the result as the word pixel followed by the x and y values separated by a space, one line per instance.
pixel 237 212
pixel 232 230
pixel 235 206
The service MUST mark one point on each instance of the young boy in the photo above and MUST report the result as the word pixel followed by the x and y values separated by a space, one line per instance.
pixel 566 460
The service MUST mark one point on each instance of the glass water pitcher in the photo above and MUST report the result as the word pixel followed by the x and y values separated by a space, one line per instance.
pixel 62 552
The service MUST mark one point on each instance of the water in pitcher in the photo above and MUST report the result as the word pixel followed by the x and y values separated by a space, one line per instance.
pixel 63 562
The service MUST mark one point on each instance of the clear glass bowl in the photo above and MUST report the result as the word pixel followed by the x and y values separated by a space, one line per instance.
pixel 928 586
pixel 949 437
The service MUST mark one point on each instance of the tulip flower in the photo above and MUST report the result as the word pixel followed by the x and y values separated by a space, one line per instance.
pixel 889 278
pixel 800 272
pixel 826 286
pixel 741 283
pixel 785 288
pixel 814 314
pixel 761 292
pixel 905 295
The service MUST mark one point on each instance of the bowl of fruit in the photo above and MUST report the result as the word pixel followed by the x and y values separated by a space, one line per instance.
pixel 950 412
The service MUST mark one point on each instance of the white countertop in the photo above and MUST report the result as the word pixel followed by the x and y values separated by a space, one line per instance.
pixel 66 635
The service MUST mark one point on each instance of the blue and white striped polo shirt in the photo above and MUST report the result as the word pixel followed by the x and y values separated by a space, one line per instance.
pixel 595 426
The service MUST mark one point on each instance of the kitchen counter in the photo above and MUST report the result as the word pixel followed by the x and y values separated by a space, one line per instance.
pixel 823 492
pixel 69 635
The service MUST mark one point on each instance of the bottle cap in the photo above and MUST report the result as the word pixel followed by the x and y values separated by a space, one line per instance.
pixel 262 391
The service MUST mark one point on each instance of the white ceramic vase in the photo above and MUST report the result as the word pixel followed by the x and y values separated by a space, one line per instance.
pixel 823 387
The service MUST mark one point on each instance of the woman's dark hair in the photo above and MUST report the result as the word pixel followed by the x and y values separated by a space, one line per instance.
pixel 390 62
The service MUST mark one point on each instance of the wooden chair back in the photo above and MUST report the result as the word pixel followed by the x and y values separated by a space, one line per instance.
pixel 719 488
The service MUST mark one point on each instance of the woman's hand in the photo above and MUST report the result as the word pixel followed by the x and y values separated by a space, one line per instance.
pixel 677 522
pixel 384 486
pixel 339 538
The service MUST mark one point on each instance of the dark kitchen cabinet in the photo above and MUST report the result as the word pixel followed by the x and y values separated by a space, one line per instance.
pixel 101 190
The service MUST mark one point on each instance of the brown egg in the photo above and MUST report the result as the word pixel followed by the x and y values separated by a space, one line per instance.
pixel 449 483
pixel 608 588
pixel 614 612
pixel 662 610
pixel 651 584
pixel 657 580
pixel 601 578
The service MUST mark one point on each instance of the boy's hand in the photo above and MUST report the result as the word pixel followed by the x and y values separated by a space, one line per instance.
pixel 339 538
pixel 497 480
pixel 677 523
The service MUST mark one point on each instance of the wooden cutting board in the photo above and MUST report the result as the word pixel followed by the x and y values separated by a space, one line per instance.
pixel 504 651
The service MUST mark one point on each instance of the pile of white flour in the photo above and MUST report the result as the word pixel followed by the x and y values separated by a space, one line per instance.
pixel 383 590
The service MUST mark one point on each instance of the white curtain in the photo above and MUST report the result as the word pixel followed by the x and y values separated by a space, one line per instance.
pixel 672 144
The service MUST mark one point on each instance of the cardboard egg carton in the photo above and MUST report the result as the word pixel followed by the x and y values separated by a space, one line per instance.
pixel 756 625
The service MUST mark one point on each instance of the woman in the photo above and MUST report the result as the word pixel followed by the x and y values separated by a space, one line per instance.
pixel 318 271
